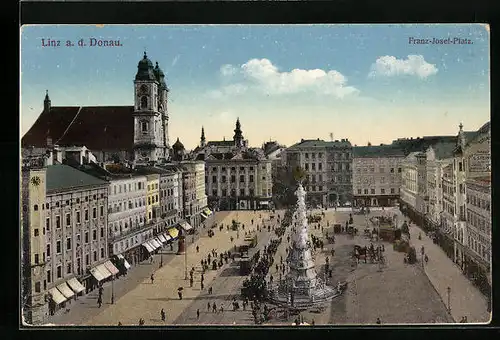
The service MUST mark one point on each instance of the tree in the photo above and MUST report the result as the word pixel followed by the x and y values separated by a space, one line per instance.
pixel 299 174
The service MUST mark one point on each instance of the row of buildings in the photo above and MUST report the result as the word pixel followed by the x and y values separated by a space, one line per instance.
pixel 447 188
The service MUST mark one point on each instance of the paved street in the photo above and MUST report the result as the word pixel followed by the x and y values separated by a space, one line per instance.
pixel 400 293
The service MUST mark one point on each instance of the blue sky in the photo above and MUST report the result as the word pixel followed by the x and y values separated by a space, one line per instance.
pixel 284 82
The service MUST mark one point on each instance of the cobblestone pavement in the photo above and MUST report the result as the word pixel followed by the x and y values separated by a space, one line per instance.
pixel 147 299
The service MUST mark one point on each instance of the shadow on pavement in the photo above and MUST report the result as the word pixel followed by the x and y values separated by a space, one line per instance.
pixel 199 297
pixel 232 271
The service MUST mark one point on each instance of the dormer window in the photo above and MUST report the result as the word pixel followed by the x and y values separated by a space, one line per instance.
pixel 144 102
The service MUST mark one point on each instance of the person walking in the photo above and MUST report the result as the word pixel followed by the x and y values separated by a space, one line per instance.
pixel 179 293
pixel 197 249
pixel 214 308
pixel 191 282
pixel 99 301
pixel 119 323
pixel 378 321
pixel 208 306
pixel 202 277
pixel 202 286
pixel 210 290
pixel 162 313
pixel 198 314
pixel 152 278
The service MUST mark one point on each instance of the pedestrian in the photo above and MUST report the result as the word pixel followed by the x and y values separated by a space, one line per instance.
pixel 221 309
pixel 191 282
pixel 152 278
pixel 214 308
pixel 180 294
pixel 378 321
pixel 202 285
pixel 99 301
pixel 208 306
pixel 162 313
pixel 119 323
pixel 197 249
pixel 210 290
pixel 197 314
pixel 202 277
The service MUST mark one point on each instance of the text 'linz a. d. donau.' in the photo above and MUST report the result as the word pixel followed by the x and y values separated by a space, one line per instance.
pixel 90 42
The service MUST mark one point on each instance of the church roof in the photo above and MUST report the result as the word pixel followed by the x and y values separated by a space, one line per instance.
pixel 221 143
pixel 96 127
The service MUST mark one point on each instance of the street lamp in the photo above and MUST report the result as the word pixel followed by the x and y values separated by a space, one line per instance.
pixel 449 305
pixel 113 290
pixel 185 260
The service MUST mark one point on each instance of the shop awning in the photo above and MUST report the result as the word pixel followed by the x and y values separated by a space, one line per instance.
pixel 173 232
pixel 76 285
pixel 162 238
pixel 57 296
pixel 105 272
pixel 97 274
pixel 65 290
pixel 125 262
pixel 264 202
pixel 167 237
pixel 148 247
pixel 186 226
pixel 111 267
pixel 207 211
pixel 203 214
pixel 155 243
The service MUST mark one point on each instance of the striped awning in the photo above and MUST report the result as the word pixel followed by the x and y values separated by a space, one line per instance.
pixel 57 296
pixel 148 247
pixel 173 232
pixel 203 214
pixel 155 242
pixel 186 226
pixel 111 267
pixel 125 262
pixel 97 274
pixel 167 237
pixel 162 238
pixel 65 290
pixel 76 285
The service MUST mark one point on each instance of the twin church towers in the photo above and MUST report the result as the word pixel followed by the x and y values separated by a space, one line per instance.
pixel 151 140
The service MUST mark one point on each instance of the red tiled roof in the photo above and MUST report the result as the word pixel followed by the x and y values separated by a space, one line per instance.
pixel 51 124
pixel 96 127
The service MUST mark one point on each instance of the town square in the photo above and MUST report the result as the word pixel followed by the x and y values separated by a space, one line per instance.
pixel 255 175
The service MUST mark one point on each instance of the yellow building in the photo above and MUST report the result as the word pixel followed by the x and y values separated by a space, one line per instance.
pixel 153 197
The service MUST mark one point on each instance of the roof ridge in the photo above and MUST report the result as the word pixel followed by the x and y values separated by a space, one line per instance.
pixel 71 123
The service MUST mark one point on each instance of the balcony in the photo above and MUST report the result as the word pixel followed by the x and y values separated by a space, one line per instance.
pixel 131 231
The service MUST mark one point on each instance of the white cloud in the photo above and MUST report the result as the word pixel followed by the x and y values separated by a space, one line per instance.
pixel 414 65
pixel 227 70
pixel 262 75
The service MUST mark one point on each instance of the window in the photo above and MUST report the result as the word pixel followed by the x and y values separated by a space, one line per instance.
pixel 251 168
pixel 392 170
pixel 58 221
pixel 320 166
pixel 399 169
pixel 365 191
pixel 68 243
pixel 35 207
pixel 68 268
pixel 95 255
pixel 37 260
pixel 68 220
pixel 36 232
pixel 87 259
pixel 49 276
pixel 37 287
pixel 307 155
pixel 94 213
pixel 214 179
pixel 359 191
pixel 382 191
pixel 306 166
pixel 94 235
pixel 224 192
pixel 144 105
pixel 78 217
pixel 242 192
pixel 59 272
pixel 102 252
pixel 214 192
pixel 233 179
pixel 460 166
pixel 392 190
pixel 313 166
pixel 86 214
pixel 102 232
pixel 47 223
pixel 101 212
pixel 58 247
pixel 86 237
pixel 251 178
pixel 48 250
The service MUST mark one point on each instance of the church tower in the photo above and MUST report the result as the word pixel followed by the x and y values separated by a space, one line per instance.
pixel 46 102
pixel 149 112
pixel 203 141
pixel 163 109
pixel 238 135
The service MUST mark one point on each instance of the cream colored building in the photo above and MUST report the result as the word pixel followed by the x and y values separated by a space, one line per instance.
pixel 152 198
pixel 376 175
pixel 33 257
pixel 195 198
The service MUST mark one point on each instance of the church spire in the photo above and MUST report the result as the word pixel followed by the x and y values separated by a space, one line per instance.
pixel 46 102
pixel 202 139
